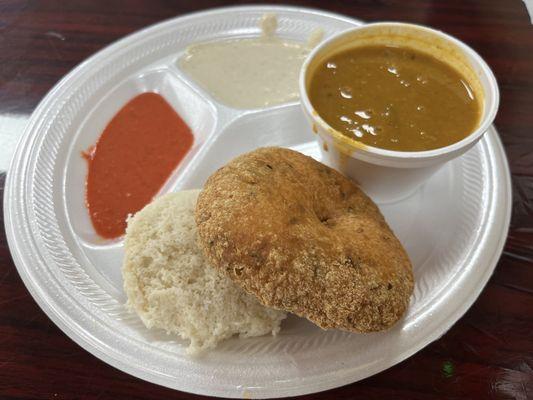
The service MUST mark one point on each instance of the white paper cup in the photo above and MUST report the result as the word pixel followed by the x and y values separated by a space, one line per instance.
pixel 388 175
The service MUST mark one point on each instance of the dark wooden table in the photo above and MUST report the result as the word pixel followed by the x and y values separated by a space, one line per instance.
pixel 488 354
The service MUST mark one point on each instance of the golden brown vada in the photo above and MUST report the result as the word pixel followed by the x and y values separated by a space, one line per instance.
pixel 303 238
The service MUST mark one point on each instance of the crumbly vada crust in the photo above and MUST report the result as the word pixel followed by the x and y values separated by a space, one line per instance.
pixel 303 238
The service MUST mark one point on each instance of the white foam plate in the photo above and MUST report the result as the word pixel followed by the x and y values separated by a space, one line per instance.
pixel 453 228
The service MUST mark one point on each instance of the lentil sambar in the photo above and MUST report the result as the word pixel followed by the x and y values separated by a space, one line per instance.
pixel 394 98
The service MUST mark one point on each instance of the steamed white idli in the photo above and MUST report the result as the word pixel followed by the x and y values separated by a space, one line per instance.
pixel 170 285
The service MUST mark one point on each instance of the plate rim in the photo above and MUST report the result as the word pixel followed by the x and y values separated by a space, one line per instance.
pixel 98 350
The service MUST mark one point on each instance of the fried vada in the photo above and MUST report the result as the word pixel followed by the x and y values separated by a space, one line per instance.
pixel 303 238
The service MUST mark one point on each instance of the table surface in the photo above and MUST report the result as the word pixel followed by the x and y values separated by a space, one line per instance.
pixel 487 354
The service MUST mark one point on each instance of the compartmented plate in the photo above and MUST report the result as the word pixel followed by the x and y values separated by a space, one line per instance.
pixel 453 228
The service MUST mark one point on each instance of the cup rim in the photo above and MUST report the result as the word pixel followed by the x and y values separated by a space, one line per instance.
pixel 485 123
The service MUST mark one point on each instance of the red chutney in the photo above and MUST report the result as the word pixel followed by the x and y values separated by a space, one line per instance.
pixel 138 150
